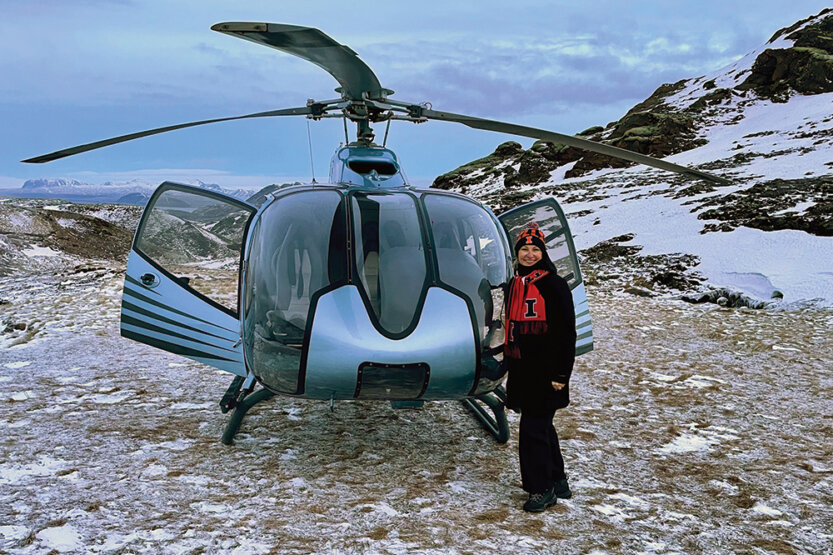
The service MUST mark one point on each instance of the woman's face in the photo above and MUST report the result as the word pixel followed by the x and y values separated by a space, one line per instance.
pixel 529 255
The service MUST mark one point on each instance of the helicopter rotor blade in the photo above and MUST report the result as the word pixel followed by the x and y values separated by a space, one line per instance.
pixel 584 144
pixel 306 110
pixel 354 76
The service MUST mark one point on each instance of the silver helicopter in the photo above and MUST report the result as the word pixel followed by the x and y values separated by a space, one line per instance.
pixel 361 288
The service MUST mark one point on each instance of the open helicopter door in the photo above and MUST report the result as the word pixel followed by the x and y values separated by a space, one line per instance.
pixel 551 220
pixel 183 273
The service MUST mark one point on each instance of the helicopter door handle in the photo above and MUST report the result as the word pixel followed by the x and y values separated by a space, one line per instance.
pixel 149 280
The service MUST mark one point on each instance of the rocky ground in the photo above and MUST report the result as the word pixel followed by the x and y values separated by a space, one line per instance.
pixel 693 428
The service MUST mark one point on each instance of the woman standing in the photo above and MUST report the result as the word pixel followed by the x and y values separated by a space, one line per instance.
pixel 540 350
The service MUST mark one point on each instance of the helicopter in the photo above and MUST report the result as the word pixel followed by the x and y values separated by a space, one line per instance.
pixel 363 288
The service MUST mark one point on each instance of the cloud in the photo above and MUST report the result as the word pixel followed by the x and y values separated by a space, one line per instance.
pixel 511 77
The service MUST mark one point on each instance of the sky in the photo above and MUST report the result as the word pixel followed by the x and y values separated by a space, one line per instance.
pixel 76 71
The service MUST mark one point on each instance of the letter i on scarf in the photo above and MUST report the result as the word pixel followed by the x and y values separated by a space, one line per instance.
pixel 527 311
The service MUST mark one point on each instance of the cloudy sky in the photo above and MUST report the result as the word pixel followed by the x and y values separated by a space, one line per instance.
pixel 75 71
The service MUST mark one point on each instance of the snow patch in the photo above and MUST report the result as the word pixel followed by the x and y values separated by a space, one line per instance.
pixel 765 510
pixel 13 534
pixel 40 251
pixel 61 538
pixel 19 364
pixel 11 473
pixel 698 440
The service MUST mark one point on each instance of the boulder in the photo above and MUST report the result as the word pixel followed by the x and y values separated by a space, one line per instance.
pixel 461 177
pixel 806 68
pixel 726 298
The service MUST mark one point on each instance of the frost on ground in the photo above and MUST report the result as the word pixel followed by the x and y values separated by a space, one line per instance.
pixel 693 428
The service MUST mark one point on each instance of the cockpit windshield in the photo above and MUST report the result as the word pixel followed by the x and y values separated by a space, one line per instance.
pixel 390 256
pixel 392 247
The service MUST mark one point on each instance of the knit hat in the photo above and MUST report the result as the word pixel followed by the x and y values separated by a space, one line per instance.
pixel 531 236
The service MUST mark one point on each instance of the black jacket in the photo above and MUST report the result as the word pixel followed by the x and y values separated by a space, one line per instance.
pixel 547 357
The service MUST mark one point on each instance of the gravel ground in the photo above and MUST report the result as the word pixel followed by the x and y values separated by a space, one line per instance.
pixel 693 428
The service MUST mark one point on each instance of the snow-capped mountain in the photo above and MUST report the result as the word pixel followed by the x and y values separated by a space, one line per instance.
pixel 134 191
pixel 764 122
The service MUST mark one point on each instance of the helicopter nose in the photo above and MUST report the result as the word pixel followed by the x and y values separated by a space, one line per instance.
pixel 349 358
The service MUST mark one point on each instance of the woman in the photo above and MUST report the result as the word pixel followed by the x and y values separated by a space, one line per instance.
pixel 540 350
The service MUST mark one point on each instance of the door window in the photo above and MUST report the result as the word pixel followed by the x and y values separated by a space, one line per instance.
pixel 196 238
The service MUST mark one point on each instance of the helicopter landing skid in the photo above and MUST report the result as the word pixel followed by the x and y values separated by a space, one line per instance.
pixel 495 423
pixel 241 407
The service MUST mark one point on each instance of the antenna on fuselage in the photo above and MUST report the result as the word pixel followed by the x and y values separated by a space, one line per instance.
pixel 385 140
pixel 311 159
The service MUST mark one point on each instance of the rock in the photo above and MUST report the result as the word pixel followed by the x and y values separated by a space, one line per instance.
pixel 654 133
pixel 509 148
pixel 806 68
pixel 776 294
pixel 640 291
pixel 726 298
pixel 777 73
pixel 657 98
pixel 592 161
pixel 486 166
pixel 558 153
pixel 697 298
pixel 714 98
pixel 591 131
pixel 534 168
pixel 766 205
pixel 672 279
pixel 607 250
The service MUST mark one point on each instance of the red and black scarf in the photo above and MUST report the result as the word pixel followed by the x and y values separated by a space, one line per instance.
pixel 527 313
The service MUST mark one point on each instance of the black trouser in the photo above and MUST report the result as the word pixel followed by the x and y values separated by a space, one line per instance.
pixel 540 453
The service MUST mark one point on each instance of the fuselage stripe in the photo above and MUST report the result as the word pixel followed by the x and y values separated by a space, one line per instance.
pixel 136 294
pixel 150 327
pixel 171 347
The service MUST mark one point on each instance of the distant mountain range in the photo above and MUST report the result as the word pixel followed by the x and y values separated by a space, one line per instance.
pixel 135 192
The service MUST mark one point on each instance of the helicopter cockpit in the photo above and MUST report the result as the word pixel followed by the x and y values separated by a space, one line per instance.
pixel 412 262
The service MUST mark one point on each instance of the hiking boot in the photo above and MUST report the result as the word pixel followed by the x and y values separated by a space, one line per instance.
pixel 538 502
pixel 562 489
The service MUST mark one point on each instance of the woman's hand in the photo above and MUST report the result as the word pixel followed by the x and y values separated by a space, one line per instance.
pixel 558 386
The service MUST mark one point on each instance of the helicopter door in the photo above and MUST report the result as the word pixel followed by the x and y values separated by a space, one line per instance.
pixel 181 285
pixel 551 220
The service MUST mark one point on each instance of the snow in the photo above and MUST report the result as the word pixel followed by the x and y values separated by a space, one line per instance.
pixel 63 539
pixel 41 251
pixel 18 364
pixel 14 472
pixel 762 509
pixel 798 264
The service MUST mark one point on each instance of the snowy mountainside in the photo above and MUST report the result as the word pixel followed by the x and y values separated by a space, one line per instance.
pixel 764 122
